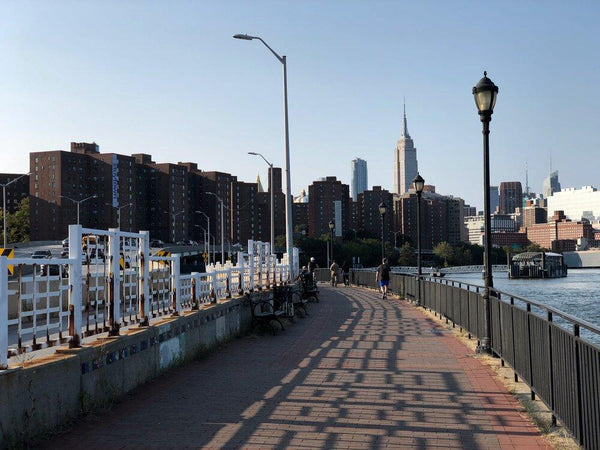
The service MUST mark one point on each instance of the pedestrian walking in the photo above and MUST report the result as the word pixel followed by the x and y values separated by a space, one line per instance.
pixel 383 277
pixel 346 271
pixel 334 269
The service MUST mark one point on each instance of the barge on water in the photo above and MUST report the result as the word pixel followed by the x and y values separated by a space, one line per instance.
pixel 536 265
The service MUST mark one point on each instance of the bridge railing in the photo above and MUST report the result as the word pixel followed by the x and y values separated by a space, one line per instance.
pixel 109 281
pixel 556 354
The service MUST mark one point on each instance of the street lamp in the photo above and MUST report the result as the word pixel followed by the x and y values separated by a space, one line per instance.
pixel 331 228
pixel 119 208
pixel 4 201
pixel 272 200
pixel 485 93
pixel 174 217
pixel 419 183
pixel 208 231
pixel 79 202
pixel 288 183
pixel 382 211
pixel 222 228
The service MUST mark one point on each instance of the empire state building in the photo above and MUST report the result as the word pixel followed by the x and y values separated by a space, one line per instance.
pixel 406 166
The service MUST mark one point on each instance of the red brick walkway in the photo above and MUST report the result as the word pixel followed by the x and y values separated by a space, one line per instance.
pixel 359 372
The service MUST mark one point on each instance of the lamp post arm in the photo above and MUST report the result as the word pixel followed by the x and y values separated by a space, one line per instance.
pixel 280 59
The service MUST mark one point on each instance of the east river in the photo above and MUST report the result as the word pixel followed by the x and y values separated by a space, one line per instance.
pixel 577 295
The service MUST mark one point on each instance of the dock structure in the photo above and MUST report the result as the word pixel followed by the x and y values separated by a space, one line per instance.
pixel 536 265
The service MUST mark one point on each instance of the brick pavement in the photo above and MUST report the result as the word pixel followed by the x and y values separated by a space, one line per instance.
pixel 358 372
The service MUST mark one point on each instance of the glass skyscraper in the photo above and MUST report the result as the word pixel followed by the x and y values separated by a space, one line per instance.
pixel 359 181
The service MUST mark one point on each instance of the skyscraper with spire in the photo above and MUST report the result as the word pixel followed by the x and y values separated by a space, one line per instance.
pixel 405 161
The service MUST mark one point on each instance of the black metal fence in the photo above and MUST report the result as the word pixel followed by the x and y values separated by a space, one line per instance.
pixel 556 354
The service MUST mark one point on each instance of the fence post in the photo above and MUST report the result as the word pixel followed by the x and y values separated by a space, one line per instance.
pixel 144 278
pixel 75 291
pixel 251 264
pixel 3 312
pixel 261 263
pixel 228 284
pixel 213 290
pixel 194 290
pixel 241 281
pixel 176 288
pixel 114 310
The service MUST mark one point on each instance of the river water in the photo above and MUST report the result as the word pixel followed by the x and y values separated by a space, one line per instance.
pixel 577 295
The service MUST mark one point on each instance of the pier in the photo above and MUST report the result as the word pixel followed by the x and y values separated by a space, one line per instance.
pixel 357 372
pixel 181 357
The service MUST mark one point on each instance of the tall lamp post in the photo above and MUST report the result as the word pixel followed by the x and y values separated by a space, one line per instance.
pixel 119 208
pixel 288 183
pixel 382 211
pixel 485 93
pixel 222 228
pixel 79 202
pixel 174 217
pixel 208 231
pixel 419 183
pixel 4 186
pixel 331 228
pixel 271 190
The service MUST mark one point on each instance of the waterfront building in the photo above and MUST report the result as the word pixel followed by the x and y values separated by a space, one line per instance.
pixel 577 204
pixel 359 179
pixel 551 185
pixel 405 161
pixel 532 215
pixel 560 234
pixel 16 191
pixel 511 196
pixel 500 223
pixel 510 239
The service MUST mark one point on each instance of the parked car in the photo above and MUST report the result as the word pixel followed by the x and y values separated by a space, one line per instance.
pixel 156 243
pixel 65 242
pixel 54 269
pixel 41 254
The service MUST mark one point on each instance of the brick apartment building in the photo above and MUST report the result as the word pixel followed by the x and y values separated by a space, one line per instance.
pixel 325 196
pixel 552 235
pixel 368 217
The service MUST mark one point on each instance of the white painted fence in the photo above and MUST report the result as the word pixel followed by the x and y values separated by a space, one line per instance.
pixel 110 281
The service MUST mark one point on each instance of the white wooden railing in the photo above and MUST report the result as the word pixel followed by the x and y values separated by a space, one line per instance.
pixel 110 281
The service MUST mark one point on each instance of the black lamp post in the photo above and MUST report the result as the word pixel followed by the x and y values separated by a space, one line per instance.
pixel 331 228
pixel 485 93
pixel 419 183
pixel 382 211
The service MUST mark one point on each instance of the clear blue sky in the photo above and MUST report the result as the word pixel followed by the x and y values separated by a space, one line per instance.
pixel 166 78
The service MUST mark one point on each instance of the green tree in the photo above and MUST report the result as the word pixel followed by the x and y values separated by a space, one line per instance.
pixel 407 256
pixel 444 252
pixel 17 223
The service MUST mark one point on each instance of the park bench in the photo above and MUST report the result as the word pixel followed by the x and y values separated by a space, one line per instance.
pixel 308 288
pixel 265 312
pixel 289 299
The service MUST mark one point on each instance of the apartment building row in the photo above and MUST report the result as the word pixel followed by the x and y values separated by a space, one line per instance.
pixel 173 200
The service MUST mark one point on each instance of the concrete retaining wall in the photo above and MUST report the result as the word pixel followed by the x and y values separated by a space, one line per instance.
pixel 40 398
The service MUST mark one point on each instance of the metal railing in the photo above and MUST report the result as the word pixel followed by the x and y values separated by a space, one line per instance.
pixel 556 354
pixel 110 281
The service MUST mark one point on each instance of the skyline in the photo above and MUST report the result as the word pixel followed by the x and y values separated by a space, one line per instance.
pixel 175 84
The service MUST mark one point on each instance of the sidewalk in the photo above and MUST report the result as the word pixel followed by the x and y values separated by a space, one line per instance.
pixel 358 372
